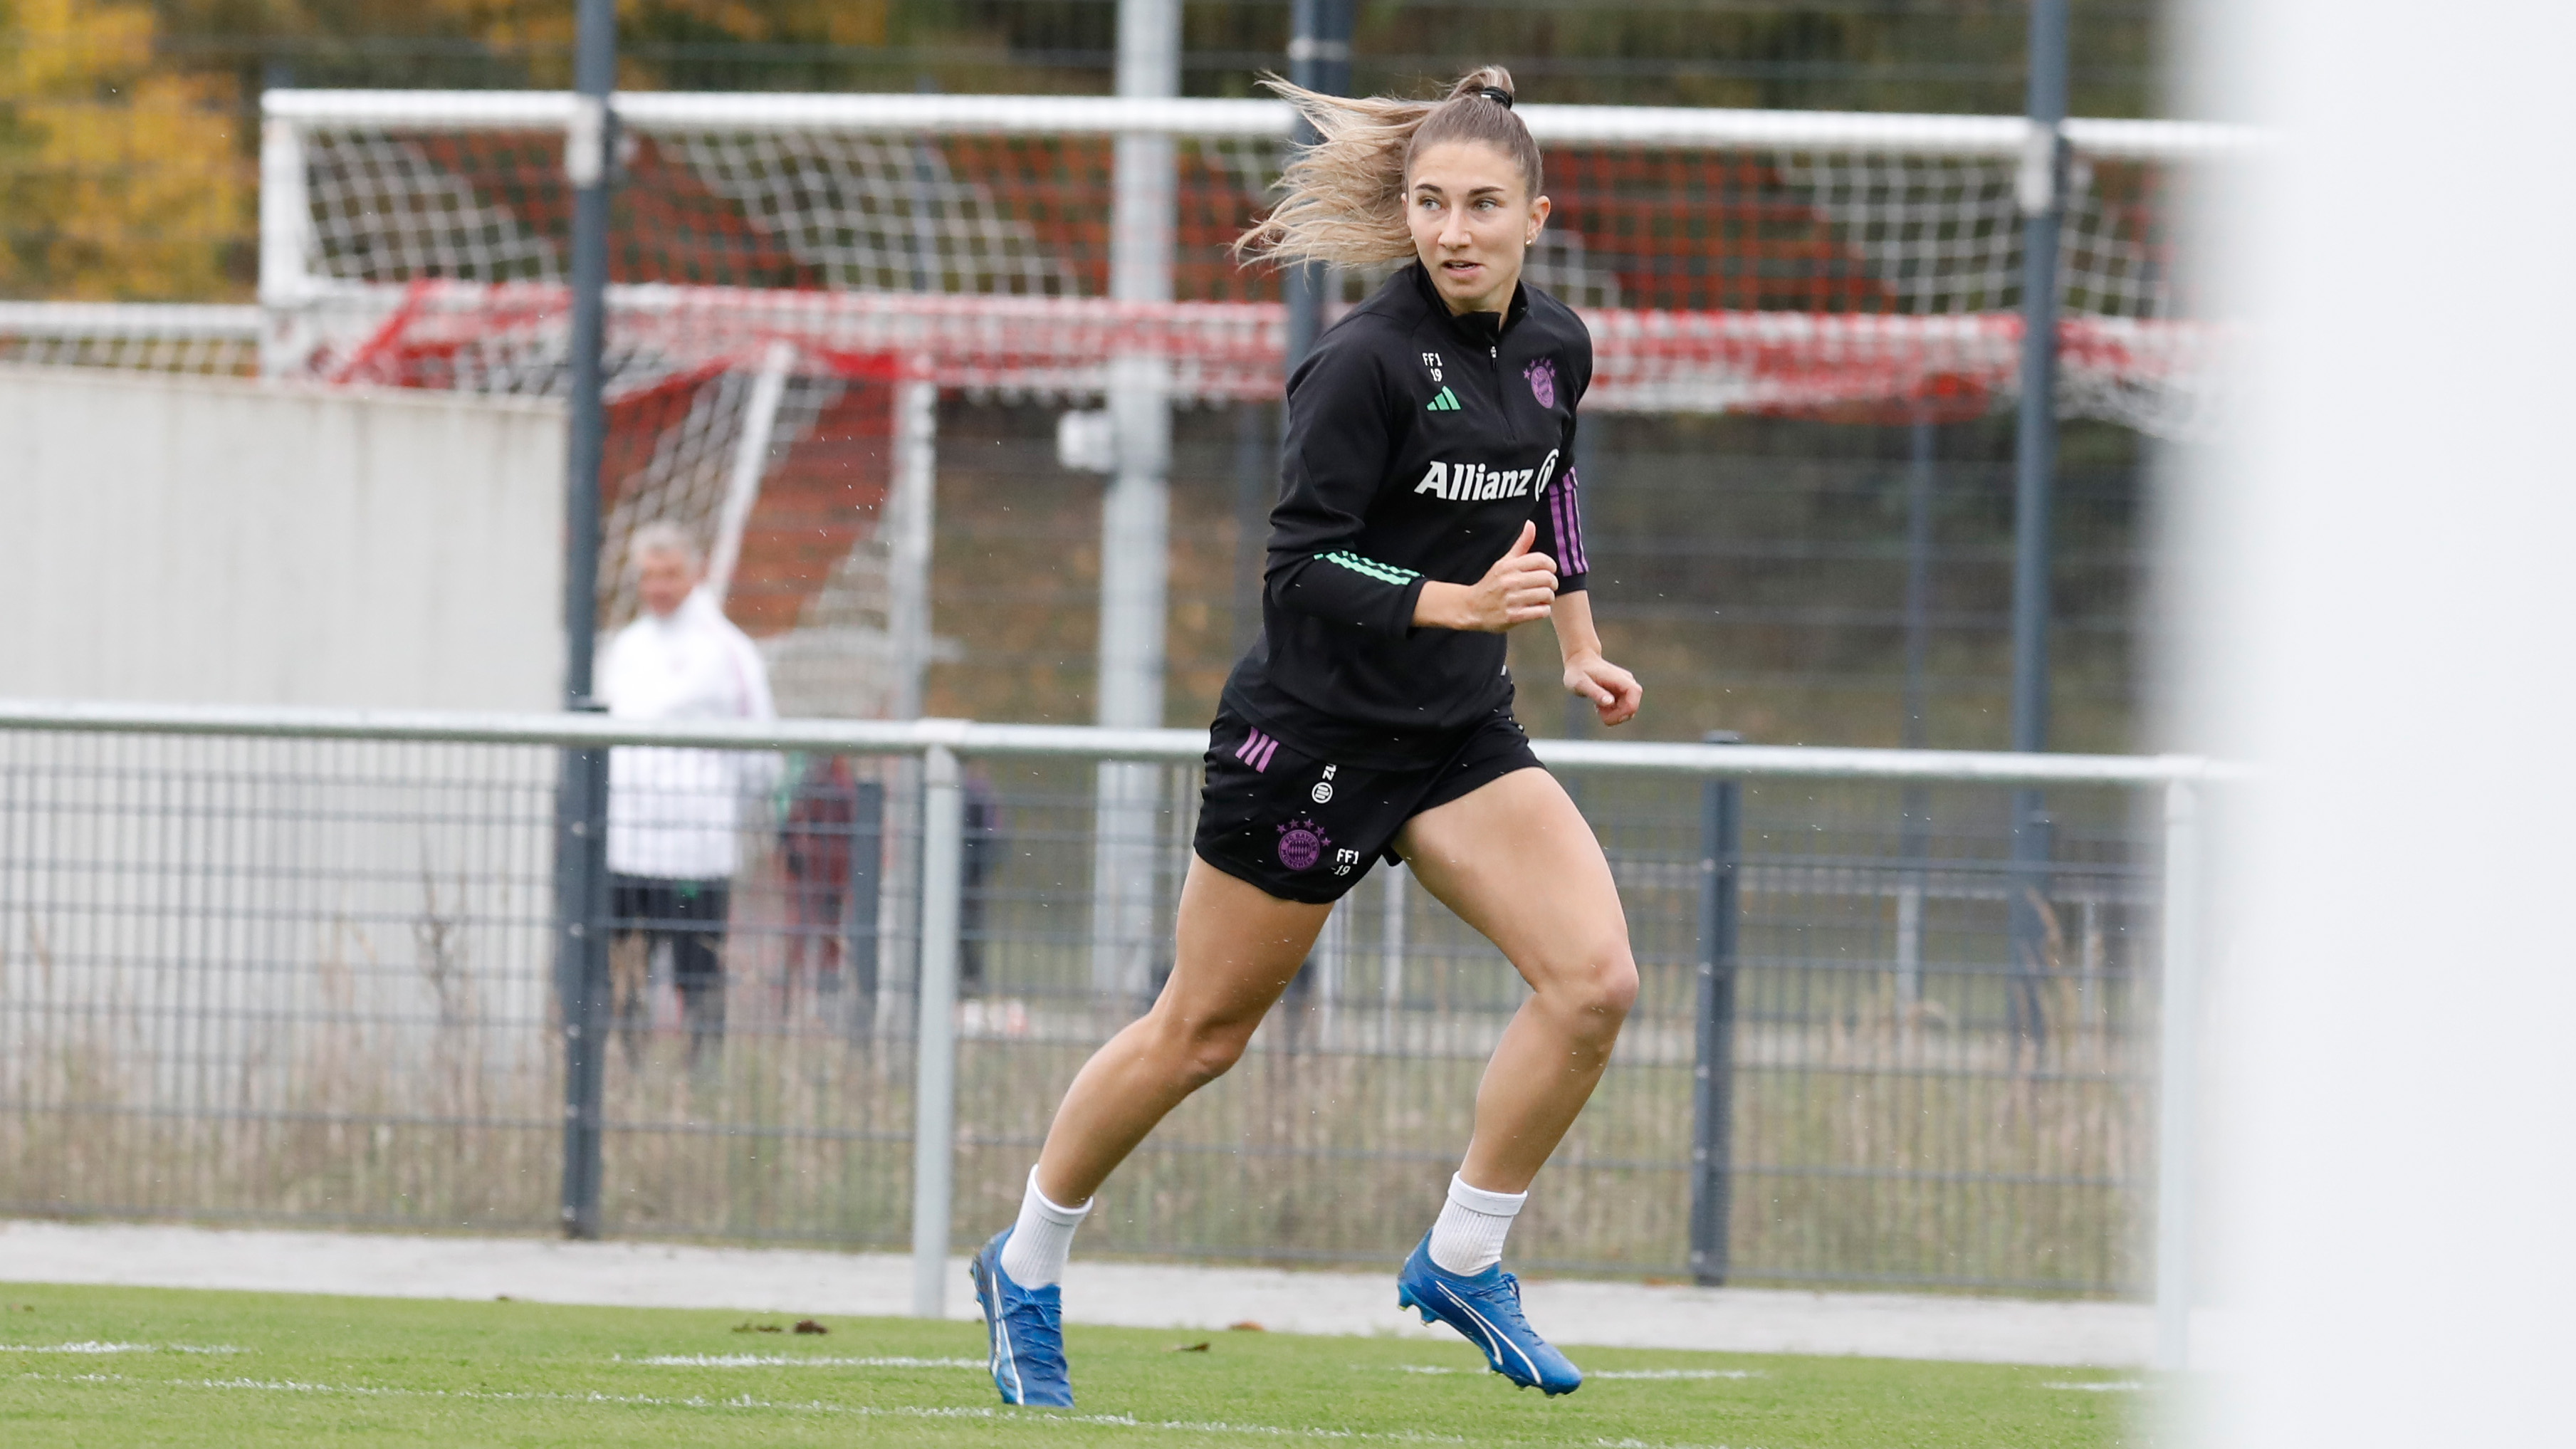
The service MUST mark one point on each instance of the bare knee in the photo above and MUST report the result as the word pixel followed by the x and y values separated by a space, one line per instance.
pixel 1196 1053
pixel 1593 995
pixel 1610 987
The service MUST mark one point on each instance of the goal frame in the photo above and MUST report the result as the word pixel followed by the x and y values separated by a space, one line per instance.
pixel 1650 361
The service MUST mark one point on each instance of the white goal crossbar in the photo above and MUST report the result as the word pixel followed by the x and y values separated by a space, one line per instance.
pixel 1857 132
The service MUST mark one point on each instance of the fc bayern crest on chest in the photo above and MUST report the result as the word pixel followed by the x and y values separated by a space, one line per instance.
pixel 1542 381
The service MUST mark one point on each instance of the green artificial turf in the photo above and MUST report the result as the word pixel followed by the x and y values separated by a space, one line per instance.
pixel 115 1366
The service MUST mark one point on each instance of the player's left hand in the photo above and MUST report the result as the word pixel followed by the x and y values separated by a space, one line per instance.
pixel 1614 692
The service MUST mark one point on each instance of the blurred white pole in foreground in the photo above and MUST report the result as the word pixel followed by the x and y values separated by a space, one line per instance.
pixel 2387 614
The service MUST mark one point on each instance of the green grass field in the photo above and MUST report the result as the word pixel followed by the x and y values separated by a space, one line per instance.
pixel 108 1367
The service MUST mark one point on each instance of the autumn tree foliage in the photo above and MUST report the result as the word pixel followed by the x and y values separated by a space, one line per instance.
pixel 120 177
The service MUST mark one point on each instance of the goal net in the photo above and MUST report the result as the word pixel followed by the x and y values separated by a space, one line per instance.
pixel 787 270
pixel 1726 260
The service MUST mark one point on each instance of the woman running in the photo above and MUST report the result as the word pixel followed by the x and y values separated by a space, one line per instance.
pixel 1427 508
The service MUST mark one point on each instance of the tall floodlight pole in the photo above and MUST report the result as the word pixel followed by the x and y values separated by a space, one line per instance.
pixel 581 807
pixel 1135 514
pixel 1319 58
pixel 2040 189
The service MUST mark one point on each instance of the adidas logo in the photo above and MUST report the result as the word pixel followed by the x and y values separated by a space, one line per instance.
pixel 1445 402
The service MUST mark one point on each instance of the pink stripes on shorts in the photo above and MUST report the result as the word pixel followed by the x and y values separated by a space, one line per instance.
pixel 1257 751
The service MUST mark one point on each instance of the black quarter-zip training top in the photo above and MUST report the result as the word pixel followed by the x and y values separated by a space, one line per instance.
pixel 1418 443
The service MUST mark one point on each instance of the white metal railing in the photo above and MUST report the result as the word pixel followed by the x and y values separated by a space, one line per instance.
pixel 942 743
pixel 129 319
pixel 1169 746
pixel 1886 133
pixel 185 337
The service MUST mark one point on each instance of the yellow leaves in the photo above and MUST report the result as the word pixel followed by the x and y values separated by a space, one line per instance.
pixel 831 22
pixel 736 18
pixel 115 182
pixel 134 200
pixel 62 48
pixel 855 22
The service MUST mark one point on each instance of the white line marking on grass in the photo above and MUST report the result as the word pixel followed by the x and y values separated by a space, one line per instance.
pixel 789 1360
pixel 1589 1375
pixel 746 1401
pixel 2106 1386
pixel 1642 1444
pixel 98 1346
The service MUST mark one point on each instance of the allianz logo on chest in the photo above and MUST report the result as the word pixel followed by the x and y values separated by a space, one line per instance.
pixel 1475 482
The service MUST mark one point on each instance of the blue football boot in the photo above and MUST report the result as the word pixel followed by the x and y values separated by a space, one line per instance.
pixel 1486 1307
pixel 1023 1333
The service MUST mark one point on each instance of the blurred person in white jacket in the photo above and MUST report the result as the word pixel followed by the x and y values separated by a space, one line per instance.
pixel 674 815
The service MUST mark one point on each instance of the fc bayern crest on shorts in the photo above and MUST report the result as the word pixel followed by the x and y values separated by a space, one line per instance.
pixel 1542 381
pixel 1302 842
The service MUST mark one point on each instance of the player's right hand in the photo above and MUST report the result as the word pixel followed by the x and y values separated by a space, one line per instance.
pixel 1518 589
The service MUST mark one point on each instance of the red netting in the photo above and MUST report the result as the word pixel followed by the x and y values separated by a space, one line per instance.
pixel 509 338
pixel 1715 279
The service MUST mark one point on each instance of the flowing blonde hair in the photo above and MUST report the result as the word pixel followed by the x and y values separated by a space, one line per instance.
pixel 1344 195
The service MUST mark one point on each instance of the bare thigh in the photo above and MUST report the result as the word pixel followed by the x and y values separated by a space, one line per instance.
pixel 1519 863
pixel 1236 947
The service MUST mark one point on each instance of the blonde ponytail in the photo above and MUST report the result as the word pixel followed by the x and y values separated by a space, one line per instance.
pixel 1343 200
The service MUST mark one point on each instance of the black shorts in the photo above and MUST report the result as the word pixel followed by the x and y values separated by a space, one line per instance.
pixel 1306 829
pixel 690 914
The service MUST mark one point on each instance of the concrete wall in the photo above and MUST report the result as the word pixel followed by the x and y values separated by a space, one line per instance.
pixel 212 540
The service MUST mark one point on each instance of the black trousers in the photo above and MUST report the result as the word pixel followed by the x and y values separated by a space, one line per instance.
pixel 691 916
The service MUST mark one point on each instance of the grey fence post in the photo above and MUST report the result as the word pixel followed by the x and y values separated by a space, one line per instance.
pixel 1713 1071
pixel 2176 1061
pixel 2032 883
pixel 581 796
pixel 934 1119
pixel 581 973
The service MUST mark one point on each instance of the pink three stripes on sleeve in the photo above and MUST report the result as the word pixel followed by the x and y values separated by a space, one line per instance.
pixel 1257 751
pixel 1566 512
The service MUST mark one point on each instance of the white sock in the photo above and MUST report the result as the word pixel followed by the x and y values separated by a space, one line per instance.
pixel 1034 1257
pixel 1468 1238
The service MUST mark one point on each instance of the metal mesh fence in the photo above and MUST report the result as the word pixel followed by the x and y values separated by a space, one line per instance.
pixel 1753 572
pixel 307 981
pixel 1758 568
